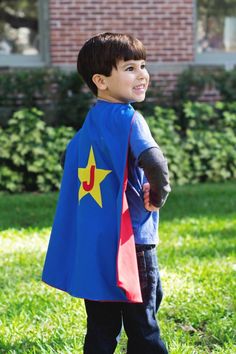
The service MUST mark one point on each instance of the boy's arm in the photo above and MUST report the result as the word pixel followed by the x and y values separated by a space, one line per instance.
pixel 156 170
pixel 149 157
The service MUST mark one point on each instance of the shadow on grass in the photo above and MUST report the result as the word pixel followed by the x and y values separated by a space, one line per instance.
pixel 208 200
pixel 27 210
pixel 37 210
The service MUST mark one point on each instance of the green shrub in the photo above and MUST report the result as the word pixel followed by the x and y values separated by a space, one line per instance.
pixel 210 141
pixel 225 82
pixel 30 152
pixel 65 101
pixel 205 150
pixel 192 82
pixel 59 94
pixel 48 169
pixel 164 128
pixel 190 86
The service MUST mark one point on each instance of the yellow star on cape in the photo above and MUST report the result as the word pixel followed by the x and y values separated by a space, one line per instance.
pixel 90 178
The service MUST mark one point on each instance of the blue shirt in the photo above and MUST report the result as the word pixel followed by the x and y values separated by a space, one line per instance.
pixel 145 223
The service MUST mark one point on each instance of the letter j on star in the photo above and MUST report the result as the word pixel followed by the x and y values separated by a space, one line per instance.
pixel 91 178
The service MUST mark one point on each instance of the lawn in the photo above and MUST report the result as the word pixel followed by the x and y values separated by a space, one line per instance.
pixel 196 257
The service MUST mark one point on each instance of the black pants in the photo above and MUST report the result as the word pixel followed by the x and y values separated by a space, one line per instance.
pixel 104 319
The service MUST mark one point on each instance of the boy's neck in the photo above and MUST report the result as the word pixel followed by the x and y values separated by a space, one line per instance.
pixel 108 98
pixel 109 101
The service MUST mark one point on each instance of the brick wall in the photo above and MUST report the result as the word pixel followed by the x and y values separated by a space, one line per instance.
pixel 164 26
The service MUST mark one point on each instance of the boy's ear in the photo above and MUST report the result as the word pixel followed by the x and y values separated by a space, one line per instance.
pixel 100 81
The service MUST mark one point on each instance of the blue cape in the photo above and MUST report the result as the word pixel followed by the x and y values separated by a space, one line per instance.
pixel 91 253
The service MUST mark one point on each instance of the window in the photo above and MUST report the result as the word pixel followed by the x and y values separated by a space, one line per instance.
pixel 216 30
pixel 22 32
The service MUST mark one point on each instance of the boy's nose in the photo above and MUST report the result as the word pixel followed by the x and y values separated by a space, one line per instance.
pixel 143 74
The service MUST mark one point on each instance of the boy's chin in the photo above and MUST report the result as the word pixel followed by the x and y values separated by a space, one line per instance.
pixel 140 99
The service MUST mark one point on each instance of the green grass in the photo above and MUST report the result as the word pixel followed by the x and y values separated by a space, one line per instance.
pixel 196 257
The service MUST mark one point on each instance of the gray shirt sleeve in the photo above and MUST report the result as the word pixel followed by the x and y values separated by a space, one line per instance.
pixel 149 157
pixel 155 168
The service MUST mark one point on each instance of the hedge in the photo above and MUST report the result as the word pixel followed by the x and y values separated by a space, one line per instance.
pixel 64 99
pixel 202 149
pixel 59 94
pixel 30 153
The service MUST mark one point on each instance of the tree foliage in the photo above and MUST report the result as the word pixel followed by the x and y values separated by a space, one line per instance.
pixel 18 14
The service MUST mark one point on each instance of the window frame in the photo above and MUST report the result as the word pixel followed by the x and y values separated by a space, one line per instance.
pixel 216 58
pixel 38 60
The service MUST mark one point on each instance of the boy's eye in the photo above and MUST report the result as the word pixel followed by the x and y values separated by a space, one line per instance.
pixel 132 68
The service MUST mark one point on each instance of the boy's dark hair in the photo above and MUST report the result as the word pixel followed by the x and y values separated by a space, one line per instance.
pixel 101 53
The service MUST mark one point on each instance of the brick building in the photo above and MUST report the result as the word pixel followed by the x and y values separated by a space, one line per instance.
pixel 176 33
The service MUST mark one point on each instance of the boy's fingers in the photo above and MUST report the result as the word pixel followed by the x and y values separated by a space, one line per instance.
pixel 146 187
pixel 146 196
pixel 150 207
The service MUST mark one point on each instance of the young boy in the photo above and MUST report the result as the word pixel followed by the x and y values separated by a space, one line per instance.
pixel 103 242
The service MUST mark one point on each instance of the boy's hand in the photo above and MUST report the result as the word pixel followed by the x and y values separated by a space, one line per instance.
pixel 146 198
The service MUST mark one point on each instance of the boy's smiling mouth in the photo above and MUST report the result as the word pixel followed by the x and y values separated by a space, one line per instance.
pixel 140 87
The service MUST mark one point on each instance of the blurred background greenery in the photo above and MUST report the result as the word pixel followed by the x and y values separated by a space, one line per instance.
pixel 42 109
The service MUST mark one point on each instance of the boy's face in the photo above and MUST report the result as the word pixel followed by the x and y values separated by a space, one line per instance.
pixel 127 83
